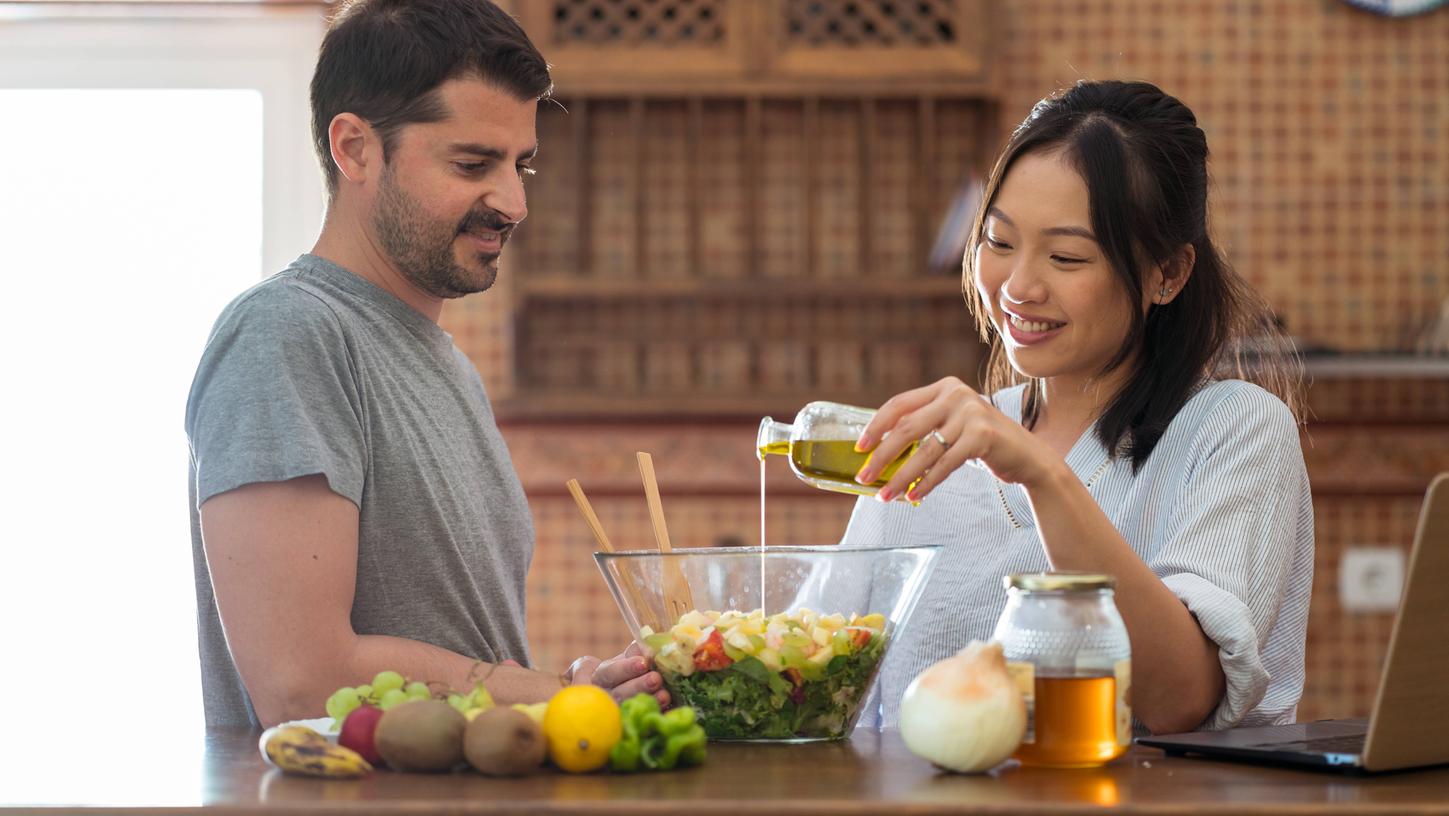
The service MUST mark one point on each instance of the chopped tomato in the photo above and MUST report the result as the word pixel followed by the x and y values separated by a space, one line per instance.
pixel 859 638
pixel 710 656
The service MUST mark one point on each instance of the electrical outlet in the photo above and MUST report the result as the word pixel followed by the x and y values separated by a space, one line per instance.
pixel 1370 579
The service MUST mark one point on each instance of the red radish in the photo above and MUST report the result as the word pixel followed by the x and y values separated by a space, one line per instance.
pixel 358 730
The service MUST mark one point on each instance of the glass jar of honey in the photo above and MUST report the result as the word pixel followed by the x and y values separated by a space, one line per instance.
pixel 1067 647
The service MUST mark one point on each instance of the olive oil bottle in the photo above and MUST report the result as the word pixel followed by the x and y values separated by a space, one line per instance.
pixel 821 447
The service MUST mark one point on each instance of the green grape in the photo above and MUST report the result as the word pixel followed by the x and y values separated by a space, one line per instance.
pixel 351 703
pixel 367 694
pixel 480 698
pixel 386 681
pixel 417 691
pixel 457 701
pixel 392 697
pixel 342 702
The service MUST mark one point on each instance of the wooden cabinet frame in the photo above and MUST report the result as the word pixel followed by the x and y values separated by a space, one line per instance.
pixel 756 55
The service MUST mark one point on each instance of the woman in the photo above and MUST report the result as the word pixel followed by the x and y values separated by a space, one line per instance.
pixel 1114 440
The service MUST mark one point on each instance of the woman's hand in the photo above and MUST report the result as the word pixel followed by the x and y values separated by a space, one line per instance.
pixel 623 677
pixel 954 425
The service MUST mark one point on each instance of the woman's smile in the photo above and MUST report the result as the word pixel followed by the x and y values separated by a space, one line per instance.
pixel 1029 330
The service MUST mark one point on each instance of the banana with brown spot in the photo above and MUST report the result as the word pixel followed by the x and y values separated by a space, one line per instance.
pixel 299 750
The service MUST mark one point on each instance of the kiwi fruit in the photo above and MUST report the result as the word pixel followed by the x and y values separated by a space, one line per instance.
pixel 421 735
pixel 504 742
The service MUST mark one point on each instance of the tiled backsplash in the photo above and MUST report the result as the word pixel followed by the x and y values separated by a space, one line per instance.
pixel 1329 129
pixel 1346 649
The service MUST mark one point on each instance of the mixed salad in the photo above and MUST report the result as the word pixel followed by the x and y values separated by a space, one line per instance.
pixel 790 675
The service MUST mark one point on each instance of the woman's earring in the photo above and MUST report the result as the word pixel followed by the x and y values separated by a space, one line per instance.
pixel 1162 295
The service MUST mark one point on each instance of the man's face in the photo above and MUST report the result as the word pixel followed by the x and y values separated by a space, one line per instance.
pixel 452 191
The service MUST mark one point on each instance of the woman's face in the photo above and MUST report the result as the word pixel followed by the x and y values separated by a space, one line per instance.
pixel 1060 309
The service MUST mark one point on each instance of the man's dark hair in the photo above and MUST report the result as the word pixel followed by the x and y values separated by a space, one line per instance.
pixel 383 60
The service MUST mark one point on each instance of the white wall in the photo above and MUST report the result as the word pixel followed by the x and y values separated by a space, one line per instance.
pixel 150 170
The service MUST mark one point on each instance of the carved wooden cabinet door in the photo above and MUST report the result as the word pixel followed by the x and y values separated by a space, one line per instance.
pixel 875 40
pixel 619 44
pixel 602 42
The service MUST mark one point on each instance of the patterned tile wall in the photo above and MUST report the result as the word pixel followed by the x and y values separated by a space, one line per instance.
pixel 1330 132
pixel 1346 649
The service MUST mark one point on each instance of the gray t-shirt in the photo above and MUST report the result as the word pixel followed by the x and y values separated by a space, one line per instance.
pixel 318 371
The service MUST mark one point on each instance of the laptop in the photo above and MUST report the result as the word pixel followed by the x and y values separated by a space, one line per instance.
pixel 1409 725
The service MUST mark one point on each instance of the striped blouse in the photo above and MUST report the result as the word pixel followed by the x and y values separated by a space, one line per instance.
pixel 1220 511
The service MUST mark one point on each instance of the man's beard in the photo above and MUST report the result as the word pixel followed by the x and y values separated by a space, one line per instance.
pixel 422 248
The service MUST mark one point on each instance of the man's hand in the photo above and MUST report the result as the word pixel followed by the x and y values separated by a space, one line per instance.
pixel 623 677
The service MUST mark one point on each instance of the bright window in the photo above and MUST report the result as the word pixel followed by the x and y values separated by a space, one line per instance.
pixel 150 170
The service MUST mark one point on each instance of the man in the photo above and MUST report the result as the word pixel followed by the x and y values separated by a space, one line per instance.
pixel 354 507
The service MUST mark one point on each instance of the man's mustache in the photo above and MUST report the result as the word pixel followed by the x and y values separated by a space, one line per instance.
pixel 486 221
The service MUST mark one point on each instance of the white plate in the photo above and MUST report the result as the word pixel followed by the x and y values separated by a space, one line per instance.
pixel 322 725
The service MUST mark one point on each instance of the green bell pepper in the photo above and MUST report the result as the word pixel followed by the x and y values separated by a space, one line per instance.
pixel 658 741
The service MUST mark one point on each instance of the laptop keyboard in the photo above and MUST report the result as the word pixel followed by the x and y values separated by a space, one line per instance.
pixel 1346 744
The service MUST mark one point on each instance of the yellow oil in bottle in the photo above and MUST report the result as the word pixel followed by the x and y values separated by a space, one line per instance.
pixel 1074 723
pixel 775 449
pixel 834 462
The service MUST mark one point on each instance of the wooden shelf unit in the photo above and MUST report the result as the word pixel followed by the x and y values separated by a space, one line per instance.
pixel 737 202
pixel 684 252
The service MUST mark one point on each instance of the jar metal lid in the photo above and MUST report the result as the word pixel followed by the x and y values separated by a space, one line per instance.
pixel 1059 581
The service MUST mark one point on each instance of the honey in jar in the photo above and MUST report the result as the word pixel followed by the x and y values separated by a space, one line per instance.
pixel 1067 647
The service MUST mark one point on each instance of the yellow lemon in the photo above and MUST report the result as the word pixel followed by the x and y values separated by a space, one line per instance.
pixel 581 726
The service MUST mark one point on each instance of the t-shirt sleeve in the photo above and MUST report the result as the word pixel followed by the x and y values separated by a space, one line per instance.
pixel 275 397
pixel 1232 547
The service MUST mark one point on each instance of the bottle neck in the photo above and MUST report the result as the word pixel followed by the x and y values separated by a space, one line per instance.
pixel 772 438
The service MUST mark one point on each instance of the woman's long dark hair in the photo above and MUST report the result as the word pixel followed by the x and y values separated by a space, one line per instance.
pixel 1144 161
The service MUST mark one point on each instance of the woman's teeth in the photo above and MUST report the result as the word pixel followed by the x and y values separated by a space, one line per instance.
pixel 1033 326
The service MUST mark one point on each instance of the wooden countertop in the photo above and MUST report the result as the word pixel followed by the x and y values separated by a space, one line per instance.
pixel 870 773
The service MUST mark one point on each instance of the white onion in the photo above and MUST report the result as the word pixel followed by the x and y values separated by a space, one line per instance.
pixel 964 713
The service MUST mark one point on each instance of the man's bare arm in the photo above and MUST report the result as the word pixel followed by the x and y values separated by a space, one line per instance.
pixel 283 562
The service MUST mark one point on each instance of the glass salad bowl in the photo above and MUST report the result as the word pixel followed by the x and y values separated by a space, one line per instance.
pixel 795 668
